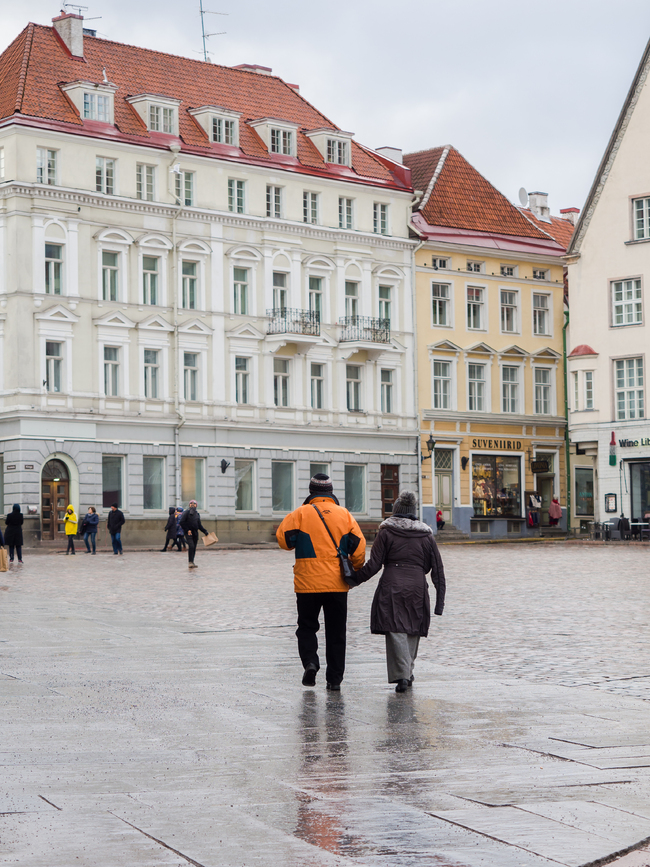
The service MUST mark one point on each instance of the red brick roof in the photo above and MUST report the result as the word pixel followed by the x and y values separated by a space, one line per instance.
pixel 583 349
pixel 36 63
pixel 560 229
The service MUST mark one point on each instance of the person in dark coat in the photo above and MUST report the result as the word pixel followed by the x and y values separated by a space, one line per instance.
pixel 191 524
pixel 180 536
pixel 170 529
pixel 89 528
pixel 401 611
pixel 14 533
pixel 115 523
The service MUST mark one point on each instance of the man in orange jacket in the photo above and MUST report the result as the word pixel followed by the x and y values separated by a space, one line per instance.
pixel 317 575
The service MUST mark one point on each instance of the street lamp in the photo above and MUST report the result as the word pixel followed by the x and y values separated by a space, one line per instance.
pixel 430 444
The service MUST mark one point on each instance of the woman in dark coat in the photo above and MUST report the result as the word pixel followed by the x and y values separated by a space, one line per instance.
pixel 14 533
pixel 170 529
pixel 401 611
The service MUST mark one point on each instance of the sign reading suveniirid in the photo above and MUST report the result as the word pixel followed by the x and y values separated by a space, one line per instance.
pixel 504 445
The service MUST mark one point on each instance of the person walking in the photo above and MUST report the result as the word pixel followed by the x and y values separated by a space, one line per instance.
pixel 89 527
pixel 554 512
pixel 190 523
pixel 318 583
pixel 71 524
pixel 170 529
pixel 180 536
pixel 14 533
pixel 440 524
pixel 115 522
pixel 401 610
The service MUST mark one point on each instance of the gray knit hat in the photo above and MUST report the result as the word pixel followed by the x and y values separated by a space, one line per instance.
pixel 321 484
pixel 405 504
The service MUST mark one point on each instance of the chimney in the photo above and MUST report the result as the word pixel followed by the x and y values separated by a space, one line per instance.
pixel 394 154
pixel 71 31
pixel 538 204
pixel 570 214
pixel 254 67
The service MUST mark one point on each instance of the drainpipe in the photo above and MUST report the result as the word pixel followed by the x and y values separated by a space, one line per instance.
pixel 567 448
pixel 415 373
pixel 175 149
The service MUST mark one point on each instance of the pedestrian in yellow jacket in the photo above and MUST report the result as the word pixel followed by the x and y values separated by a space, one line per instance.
pixel 317 575
pixel 70 528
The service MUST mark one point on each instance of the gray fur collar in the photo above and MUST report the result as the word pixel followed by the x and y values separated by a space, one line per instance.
pixel 406 524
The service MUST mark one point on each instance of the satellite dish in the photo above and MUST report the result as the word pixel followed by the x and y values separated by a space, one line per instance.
pixel 523 197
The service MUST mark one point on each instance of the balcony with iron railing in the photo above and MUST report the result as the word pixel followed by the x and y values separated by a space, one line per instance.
pixel 364 328
pixel 285 320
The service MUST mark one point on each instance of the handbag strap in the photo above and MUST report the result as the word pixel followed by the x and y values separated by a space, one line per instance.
pixel 338 550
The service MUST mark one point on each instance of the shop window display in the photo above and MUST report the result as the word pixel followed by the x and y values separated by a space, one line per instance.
pixel 496 486
pixel 584 488
pixel 640 482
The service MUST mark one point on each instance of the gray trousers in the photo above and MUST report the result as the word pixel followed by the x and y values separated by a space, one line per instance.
pixel 401 652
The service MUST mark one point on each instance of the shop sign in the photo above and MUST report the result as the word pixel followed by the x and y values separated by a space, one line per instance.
pixel 503 445
pixel 630 444
pixel 539 467
pixel 610 503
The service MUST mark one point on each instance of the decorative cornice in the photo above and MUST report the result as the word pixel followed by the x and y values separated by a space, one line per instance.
pixel 500 418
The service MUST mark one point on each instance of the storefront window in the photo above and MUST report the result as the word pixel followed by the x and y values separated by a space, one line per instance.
pixel 496 485
pixel 153 474
pixel 244 486
pixel 640 480
pixel 192 481
pixel 584 491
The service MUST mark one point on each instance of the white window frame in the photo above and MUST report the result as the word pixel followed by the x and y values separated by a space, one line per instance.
pixel 196 370
pixel 487 368
pixel 146 281
pixel 102 167
pixel 311 293
pixel 162 118
pixel 575 378
pixel 641 218
pixel 184 187
pixel 157 252
pixel 282 141
pixel 322 379
pixel 440 263
pixel 549 314
pixel 235 295
pixel 451 379
pixel 633 305
pixel 517 318
pixel 55 332
pixel 47 166
pixel 388 388
pixel 521 397
pixel 239 376
pixel 358 391
pixel 185 282
pixel 224 130
pixel 60 358
pixel 236 195
pixel 118 364
pixel 254 506
pixel 346 212
pixel 2 164
pixel 146 366
pixel 311 207
pixel 483 307
pixel 627 390
pixel 52 261
pixel 282 378
pixel 551 389
pixel 97 106
pixel 121 247
pixel 144 174
pixel 589 377
pixel 274 197
pixel 116 269
pixel 540 273
pixel 354 304
pixel 381 218
pixel 475 267
pixel 338 152
pixel 506 267
pixel 449 305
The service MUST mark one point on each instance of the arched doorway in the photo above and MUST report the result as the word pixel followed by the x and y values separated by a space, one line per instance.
pixel 55 496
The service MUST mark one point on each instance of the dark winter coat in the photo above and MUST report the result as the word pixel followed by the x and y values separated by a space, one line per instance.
pixel 90 523
pixel 407 551
pixel 170 526
pixel 14 531
pixel 190 522
pixel 115 521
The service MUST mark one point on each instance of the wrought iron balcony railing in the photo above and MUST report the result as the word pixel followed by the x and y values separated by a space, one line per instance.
pixel 365 328
pixel 284 320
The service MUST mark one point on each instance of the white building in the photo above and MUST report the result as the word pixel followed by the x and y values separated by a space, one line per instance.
pixel 609 273
pixel 204 292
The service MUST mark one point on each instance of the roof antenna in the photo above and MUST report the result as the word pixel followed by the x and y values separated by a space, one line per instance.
pixel 205 35
pixel 75 6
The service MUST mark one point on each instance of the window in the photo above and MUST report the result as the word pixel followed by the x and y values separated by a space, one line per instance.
pixel 151 370
pixel 282 141
pixel 97 107
pixel 111 481
pixel 387 391
pixel 111 371
pixel 475 267
pixel 476 391
pixel 240 290
pixel 474 307
pixel 104 175
pixel 508 270
pixel 244 486
pixel 109 275
pixel 310 207
pixel 576 392
pixel 440 297
pixel 153 475
pixel 353 387
pixel 280 290
pixel 192 481
pixel 191 375
pixel 318 468
pixel 384 302
pixel 150 279
pixel 317 383
pixel 184 187
pixel 510 389
pixel 282 486
pixel 46 161
pixel 589 389
pixel 496 485
pixel 539 273
pixel 53 268
pixel 641 218
pixel 236 192
pixel 351 299
pixel 2 164
pixel 53 366
pixel 380 219
pixel 316 295
pixel 345 213
pixel 627 302
pixel 281 382
pixel 144 182
pixel 241 380
pixel 355 488
pixel 542 390
pixel 438 262
pixel 629 388
pixel 508 311
pixel 442 384
pixel 337 152
pixel 190 285
pixel 161 119
pixel 541 319
pixel 273 201
pixel 584 490
pixel 224 131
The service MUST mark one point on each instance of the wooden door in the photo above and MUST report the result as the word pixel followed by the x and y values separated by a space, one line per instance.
pixel 443 468
pixel 545 488
pixel 389 488
pixel 55 497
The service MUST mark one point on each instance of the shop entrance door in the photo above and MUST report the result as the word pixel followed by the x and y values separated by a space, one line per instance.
pixel 444 485
pixel 545 488
pixel 389 488
pixel 55 496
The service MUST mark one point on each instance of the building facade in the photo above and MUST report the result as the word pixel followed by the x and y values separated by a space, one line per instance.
pixel 609 270
pixel 204 292
pixel 489 312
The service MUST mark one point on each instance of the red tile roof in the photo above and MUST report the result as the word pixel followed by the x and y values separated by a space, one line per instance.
pixel 583 349
pixel 36 63
pixel 560 229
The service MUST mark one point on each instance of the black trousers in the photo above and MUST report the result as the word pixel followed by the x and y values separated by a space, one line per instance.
pixel 191 545
pixel 335 611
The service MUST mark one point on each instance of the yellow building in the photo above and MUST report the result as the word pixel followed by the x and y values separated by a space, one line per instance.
pixel 490 313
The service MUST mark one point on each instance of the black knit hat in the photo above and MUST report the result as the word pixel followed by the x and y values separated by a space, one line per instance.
pixel 405 504
pixel 321 484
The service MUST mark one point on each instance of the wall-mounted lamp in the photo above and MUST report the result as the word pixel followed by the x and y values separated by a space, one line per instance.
pixel 430 444
pixel 224 465
pixel 463 462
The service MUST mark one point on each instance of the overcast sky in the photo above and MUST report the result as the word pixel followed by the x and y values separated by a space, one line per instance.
pixel 527 91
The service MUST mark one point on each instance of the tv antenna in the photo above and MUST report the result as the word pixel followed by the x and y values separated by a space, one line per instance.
pixel 75 6
pixel 205 35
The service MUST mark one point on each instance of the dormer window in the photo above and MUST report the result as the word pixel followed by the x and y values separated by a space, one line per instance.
pixel 162 119
pixel 335 146
pixel 337 152
pixel 159 113
pixel 97 107
pixel 220 124
pixel 282 141
pixel 92 101
pixel 223 131
pixel 279 136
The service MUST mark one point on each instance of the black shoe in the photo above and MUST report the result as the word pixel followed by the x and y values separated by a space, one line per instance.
pixel 335 687
pixel 402 686
pixel 309 677
pixel 411 679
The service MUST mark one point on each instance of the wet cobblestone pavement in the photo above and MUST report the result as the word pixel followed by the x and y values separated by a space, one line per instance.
pixel 153 716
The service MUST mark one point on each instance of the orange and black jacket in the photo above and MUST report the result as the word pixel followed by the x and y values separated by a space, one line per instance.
pixel 317 568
